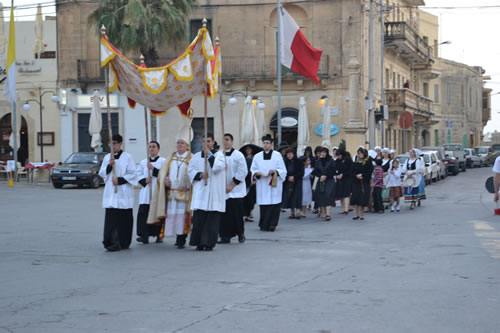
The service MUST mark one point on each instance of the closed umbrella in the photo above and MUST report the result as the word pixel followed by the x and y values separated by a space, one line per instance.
pixel 248 125
pixel 326 125
pixel 95 123
pixel 259 118
pixel 39 46
pixel 303 128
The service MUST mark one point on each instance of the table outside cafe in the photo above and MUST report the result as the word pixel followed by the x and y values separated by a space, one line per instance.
pixel 39 168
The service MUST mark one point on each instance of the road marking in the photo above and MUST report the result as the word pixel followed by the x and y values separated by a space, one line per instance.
pixel 490 238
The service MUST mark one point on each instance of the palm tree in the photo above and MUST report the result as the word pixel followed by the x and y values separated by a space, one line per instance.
pixel 142 25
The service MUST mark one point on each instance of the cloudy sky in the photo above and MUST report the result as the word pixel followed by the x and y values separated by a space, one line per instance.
pixel 470 25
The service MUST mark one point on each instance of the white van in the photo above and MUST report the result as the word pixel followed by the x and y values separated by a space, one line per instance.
pixel 458 152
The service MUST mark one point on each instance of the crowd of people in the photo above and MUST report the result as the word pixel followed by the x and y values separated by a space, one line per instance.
pixel 211 194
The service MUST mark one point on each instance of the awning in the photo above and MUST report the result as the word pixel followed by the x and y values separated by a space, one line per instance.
pixel 289 120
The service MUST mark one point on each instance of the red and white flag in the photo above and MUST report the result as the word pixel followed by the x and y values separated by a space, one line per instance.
pixel 296 52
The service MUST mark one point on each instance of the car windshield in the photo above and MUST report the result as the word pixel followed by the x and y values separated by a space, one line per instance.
pixel 82 159
pixel 495 147
pixel 426 158
pixel 402 159
pixel 453 147
pixel 482 150
pixel 449 153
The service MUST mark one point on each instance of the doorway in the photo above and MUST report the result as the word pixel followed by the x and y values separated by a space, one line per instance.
pixel 6 151
pixel 84 137
pixel 289 132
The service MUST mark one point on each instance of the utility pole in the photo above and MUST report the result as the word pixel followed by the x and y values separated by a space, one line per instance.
pixel 382 52
pixel 371 77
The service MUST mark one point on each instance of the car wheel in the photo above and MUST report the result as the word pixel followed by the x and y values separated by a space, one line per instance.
pixel 96 182
pixel 58 185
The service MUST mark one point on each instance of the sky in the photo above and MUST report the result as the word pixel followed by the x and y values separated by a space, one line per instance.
pixel 468 24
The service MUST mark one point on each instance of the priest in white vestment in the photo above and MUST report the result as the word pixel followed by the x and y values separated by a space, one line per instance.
pixel 119 176
pixel 232 223
pixel 208 201
pixel 147 174
pixel 269 171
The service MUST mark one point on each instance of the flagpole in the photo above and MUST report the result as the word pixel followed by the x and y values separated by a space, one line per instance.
pixel 14 107
pixel 205 111
pixel 147 142
pixel 278 67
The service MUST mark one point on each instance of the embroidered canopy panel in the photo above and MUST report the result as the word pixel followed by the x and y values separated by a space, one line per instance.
pixel 174 84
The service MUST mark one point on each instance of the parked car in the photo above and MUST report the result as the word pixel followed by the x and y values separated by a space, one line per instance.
pixel 496 147
pixel 453 167
pixel 472 159
pixel 79 169
pixel 432 167
pixel 442 164
pixel 459 154
pixel 487 155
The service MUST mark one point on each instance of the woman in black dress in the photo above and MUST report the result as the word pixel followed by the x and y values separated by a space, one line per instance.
pixel 292 186
pixel 343 174
pixel 324 191
pixel 361 175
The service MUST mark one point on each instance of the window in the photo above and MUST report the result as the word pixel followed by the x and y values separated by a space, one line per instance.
pixel 426 40
pixel 435 48
pixel 436 93
pixel 387 78
pixel 426 89
pixel 436 137
pixel 198 132
pixel 394 80
pixel 470 96
pixel 462 95
pixel 195 25
pixel 399 81
pixel 449 136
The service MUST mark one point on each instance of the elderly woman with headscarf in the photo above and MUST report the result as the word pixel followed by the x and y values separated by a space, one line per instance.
pixel 343 175
pixel 292 186
pixel 324 190
pixel 414 187
pixel 362 174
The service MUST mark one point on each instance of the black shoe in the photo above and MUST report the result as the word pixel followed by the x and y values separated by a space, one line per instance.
pixel 113 248
pixel 355 218
pixel 224 241
pixel 242 238
pixel 180 246
pixel 159 240
pixel 140 239
pixel 200 248
pixel 208 248
pixel 272 228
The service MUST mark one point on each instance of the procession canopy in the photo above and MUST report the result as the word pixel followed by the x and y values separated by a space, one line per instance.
pixel 175 84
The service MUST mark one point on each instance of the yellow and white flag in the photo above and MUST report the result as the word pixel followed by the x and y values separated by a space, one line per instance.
pixel 10 84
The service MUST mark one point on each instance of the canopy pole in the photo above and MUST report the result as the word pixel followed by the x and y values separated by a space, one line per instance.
pixel 205 112
pixel 148 156
pixel 217 43
pixel 110 133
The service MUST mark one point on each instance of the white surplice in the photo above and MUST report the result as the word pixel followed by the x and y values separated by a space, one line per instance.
pixel 237 169
pixel 212 196
pixel 143 173
pixel 266 194
pixel 177 201
pixel 124 197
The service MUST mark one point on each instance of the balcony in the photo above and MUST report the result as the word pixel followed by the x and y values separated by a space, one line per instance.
pixel 403 40
pixel 409 100
pixel 262 67
pixel 233 67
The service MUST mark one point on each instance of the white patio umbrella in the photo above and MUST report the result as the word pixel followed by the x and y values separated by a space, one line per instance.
pixel 95 123
pixel 303 128
pixel 326 124
pixel 249 131
pixel 260 121
pixel 3 41
pixel 39 46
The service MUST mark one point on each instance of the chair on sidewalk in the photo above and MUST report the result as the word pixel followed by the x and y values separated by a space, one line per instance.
pixel 4 173
pixel 21 171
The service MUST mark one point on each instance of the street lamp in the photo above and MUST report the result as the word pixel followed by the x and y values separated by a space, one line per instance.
pixel 446 42
pixel 255 100
pixel 27 107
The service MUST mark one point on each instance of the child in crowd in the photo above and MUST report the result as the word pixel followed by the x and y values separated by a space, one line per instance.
pixel 306 186
pixel 378 186
pixel 394 184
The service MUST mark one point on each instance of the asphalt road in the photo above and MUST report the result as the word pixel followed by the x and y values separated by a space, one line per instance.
pixel 435 269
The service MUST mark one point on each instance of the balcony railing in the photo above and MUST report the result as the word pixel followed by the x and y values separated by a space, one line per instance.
pixel 233 67
pixel 408 100
pixel 407 42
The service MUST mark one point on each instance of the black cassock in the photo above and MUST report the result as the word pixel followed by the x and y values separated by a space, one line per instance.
pixel 292 191
pixel 232 223
pixel 251 198
pixel 205 228
pixel 118 225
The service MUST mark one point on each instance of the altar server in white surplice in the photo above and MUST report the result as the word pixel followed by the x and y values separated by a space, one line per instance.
pixel 147 174
pixel 209 195
pixel 232 223
pixel 119 220
pixel 269 170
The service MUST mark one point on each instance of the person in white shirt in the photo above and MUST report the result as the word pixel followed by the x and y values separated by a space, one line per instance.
pixel 414 170
pixel 496 170
pixel 232 222
pixel 208 202
pixel 118 197
pixel 394 185
pixel 147 173
pixel 268 168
